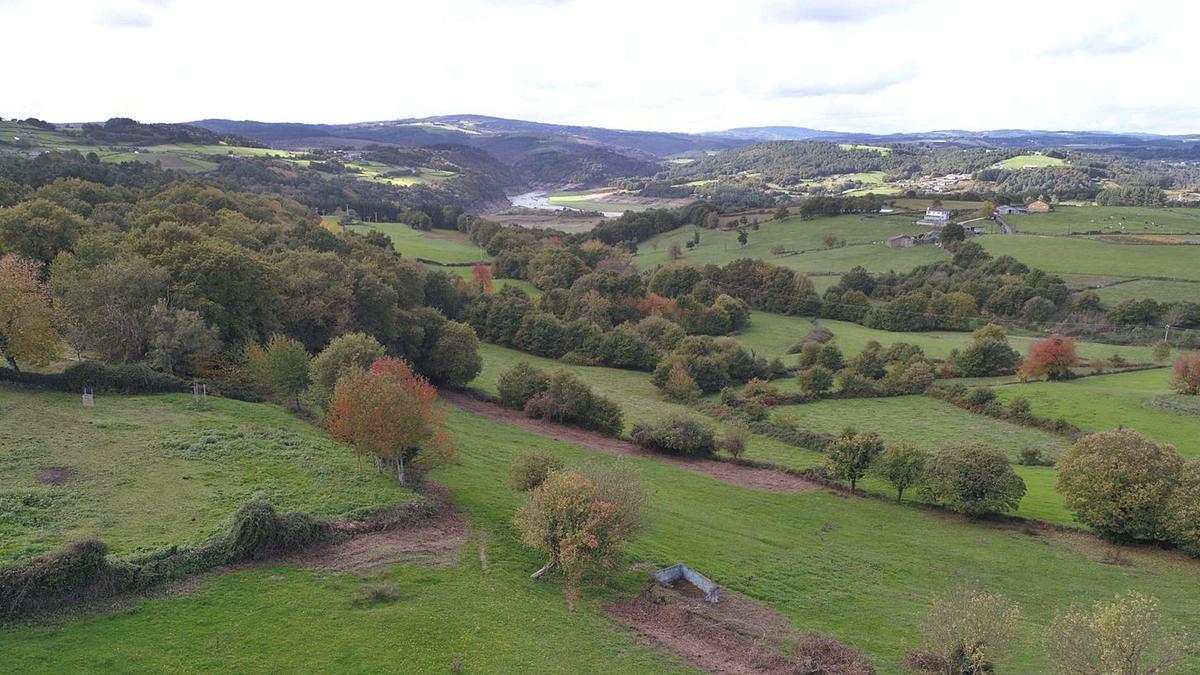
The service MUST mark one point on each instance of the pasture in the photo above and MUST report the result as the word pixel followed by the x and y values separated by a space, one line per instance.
pixel 1029 161
pixel 1140 401
pixel 923 422
pixel 444 246
pixel 1109 219
pixel 863 234
pixel 771 334
pixel 822 560
pixel 1162 291
pixel 1075 255
pixel 144 472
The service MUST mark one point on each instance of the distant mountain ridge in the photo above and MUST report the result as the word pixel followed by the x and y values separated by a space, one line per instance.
pixel 1003 138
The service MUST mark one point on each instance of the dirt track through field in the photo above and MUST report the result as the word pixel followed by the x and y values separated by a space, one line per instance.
pixel 753 478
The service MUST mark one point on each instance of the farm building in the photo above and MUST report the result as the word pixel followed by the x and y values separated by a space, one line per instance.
pixel 910 240
pixel 935 216
pixel 1038 206
pixel 1011 210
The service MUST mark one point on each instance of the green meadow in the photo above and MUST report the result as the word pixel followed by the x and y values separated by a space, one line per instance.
pixel 143 472
pixel 827 562
pixel 1109 219
pixel 863 234
pixel 772 334
pixel 444 246
pixel 1162 291
pixel 1141 401
pixel 1025 161
pixel 1074 255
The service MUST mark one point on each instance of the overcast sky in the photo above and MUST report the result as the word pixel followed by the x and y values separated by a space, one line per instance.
pixel 696 65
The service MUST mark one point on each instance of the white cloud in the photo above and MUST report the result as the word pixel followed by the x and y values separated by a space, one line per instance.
pixel 868 65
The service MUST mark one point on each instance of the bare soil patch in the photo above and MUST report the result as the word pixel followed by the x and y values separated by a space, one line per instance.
pixel 737 635
pixel 754 478
pixel 55 475
pixel 436 542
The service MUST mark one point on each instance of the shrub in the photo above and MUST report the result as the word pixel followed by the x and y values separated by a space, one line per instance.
pixel 133 378
pixel 282 366
pixel 569 399
pixel 1119 483
pixel 679 434
pixel 1033 457
pixel 830 357
pixel 979 397
pixel 531 468
pixel 972 479
pixel 1124 636
pixel 988 356
pixel 734 439
pixel 819 653
pixel 453 360
pixel 852 384
pixel 680 386
pixel 520 383
pixel 77 573
pixel 257 532
pixel 1187 373
pixel 964 633
pixel 1162 351
pixel 581 520
pixel 815 379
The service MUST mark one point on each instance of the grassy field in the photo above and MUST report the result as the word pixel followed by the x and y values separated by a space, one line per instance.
pixel 1074 255
pixel 823 560
pixel 1162 291
pixel 771 334
pixel 921 421
pixel 150 471
pixel 641 403
pixel 1116 219
pixel 865 234
pixel 1023 161
pixel 1106 402
pixel 444 246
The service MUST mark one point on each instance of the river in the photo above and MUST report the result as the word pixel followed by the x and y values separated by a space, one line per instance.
pixel 540 200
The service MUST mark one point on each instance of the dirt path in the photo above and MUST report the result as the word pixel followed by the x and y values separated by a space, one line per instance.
pixel 754 478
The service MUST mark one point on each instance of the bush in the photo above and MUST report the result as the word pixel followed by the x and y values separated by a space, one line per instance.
pixel 1124 636
pixel 519 384
pixel 530 470
pixel 978 397
pixel 972 479
pixel 569 399
pixel 1033 457
pixel 352 350
pixel 1119 483
pixel 1187 374
pixel 679 386
pixel 964 633
pixel 818 653
pixel 679 434
pixel 815 379
pixel 77 573
pixel 132 378
pixel 734 440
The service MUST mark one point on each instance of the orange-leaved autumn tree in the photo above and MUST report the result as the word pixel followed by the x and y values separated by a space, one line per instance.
pixel 1187 373
pixel 1053 357
pixel 29 314
pixel 482 276
pixel 392 414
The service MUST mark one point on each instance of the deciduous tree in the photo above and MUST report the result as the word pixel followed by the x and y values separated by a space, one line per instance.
pixel 1053 357
pixel 1187 373
pixel 29 314
pixel 1118 483
pixel 851 455
pixel 965 632
pixel 391 414
pixel 1126 637
pixel 972 479
pixel 902 465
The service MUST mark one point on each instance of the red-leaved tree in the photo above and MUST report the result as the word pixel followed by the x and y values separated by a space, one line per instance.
pixel 1187 373
pixel 391 414
pixel 482 275
pixel 1053 357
